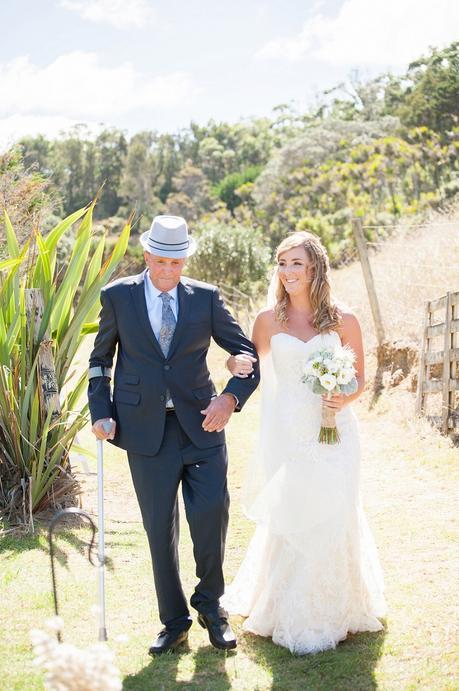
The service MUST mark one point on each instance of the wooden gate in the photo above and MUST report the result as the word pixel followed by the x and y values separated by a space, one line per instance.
pixel 446 359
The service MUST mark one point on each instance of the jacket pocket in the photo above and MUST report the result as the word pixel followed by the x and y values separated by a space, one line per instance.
pixel 206 391
pixel 129 397
pixel 130 379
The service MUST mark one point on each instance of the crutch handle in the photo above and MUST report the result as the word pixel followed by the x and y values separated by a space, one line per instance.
pixel 107 426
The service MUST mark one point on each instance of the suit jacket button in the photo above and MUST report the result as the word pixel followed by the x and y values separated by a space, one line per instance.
pixel 167 367
pixel 162 398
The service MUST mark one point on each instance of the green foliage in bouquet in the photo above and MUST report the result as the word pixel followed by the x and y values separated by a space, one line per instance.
pixel 34 443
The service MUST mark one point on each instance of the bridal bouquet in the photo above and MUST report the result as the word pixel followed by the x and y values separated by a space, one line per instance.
pixel 329 371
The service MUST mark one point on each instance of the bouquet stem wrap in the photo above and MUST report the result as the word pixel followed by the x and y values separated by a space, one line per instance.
pixel 328 431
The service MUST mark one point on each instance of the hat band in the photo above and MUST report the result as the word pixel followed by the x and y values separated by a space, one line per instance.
pixel 172 246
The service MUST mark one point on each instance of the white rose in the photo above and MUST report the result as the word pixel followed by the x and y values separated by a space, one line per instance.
pixel 331 365
pixel 345 375
pixel 328 381
pixel 309 369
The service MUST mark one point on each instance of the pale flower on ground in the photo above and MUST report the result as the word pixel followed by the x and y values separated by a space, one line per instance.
pixel 68 668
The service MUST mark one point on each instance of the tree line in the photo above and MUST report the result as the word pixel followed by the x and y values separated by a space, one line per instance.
pixel 383 148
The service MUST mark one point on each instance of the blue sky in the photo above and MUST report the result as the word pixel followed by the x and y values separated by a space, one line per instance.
pixel 157 64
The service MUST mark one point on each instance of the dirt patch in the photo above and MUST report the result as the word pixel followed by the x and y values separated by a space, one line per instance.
pixel 398 355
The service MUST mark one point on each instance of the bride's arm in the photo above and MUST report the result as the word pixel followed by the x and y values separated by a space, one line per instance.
pixel 351 335
pixel 241 365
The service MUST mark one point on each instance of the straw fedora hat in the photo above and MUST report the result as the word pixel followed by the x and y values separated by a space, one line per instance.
pixel 168 237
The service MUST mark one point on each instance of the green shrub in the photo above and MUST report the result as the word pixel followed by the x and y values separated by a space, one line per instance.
pixel 34 443
pixel 230 254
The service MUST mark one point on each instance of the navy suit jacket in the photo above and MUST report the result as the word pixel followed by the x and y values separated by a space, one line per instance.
pixel 142 374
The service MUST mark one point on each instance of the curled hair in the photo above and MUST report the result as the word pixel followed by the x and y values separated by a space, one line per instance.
pixel 326 314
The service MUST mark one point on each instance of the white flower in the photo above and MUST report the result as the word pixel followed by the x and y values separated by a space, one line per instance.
pixel 328 381
pixel 347 356
pixel 345 375
pixel 55 623
pixel 309 369
pixel 331 365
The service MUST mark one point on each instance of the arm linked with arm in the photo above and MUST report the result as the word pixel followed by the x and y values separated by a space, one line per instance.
pixel 227 333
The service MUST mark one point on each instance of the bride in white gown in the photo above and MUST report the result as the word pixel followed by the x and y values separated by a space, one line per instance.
pixel 311 573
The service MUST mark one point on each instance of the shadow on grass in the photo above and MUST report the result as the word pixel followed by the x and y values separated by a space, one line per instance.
pixel 378 386
pixel 161 673
pixel 349 667
pixel 11 545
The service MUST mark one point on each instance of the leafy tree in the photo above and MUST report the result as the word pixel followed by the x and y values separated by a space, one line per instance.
pixel 191 196
pixel 109 154
pixel 232 254
pixel 227 189
pixel 428 95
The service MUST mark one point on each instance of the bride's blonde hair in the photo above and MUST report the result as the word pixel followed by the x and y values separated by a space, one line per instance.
pixel 326 314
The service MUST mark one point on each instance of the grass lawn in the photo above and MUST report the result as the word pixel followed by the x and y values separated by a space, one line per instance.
pixel 410 478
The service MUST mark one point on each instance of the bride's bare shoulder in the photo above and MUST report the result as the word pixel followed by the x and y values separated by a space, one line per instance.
pixel 348 320
pixel 266 319
pixel 263 328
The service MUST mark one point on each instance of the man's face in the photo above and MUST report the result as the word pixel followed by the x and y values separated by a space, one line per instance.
pixel 165 272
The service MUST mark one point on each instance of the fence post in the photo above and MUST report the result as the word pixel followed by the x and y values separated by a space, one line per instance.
pixel 368 276
pixel 423 370
pixel 447 395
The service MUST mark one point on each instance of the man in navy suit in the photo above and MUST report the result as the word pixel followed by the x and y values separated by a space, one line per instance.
pixel 166 413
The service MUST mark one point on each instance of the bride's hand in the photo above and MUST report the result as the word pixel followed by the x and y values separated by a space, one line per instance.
pixel 240 365
pixel 336 402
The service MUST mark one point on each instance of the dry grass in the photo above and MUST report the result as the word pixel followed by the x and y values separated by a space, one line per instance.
pixel 416 265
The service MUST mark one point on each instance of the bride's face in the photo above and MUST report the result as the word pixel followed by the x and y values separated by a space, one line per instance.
pixel 295 270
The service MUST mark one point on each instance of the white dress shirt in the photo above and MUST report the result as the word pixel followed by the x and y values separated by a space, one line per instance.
pixel 155 304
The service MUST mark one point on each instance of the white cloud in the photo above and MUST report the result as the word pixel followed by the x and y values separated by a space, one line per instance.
pixel 119 13
pixel 14 127
pixel 79 87
pixel 376 32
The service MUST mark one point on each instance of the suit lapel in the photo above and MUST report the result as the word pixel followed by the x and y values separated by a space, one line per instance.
pixel 138 297
pixel 184 292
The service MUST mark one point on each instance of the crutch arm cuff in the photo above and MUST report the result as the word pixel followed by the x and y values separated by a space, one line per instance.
pixel 99 372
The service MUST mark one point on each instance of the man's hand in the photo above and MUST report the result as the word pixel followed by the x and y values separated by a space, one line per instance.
pixel 100 426
pixel 218 412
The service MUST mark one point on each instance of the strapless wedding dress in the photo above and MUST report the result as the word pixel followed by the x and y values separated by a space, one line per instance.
pixel 311 573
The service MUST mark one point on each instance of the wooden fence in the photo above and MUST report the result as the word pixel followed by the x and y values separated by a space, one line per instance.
pixel 432 361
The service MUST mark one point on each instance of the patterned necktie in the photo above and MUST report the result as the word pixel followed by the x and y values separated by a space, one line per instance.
pixel 168 324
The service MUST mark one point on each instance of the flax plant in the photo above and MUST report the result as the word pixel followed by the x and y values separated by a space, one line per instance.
pixel 35 471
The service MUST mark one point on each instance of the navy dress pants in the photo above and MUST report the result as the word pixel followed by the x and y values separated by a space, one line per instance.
pixel 156 479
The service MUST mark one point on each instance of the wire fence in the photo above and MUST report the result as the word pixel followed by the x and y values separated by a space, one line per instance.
pixel 421 263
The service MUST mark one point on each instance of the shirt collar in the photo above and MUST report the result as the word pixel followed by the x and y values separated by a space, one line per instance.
pixel 153 290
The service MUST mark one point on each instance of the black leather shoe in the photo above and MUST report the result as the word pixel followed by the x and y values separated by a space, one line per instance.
pixel 220 632
pixel 167 640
